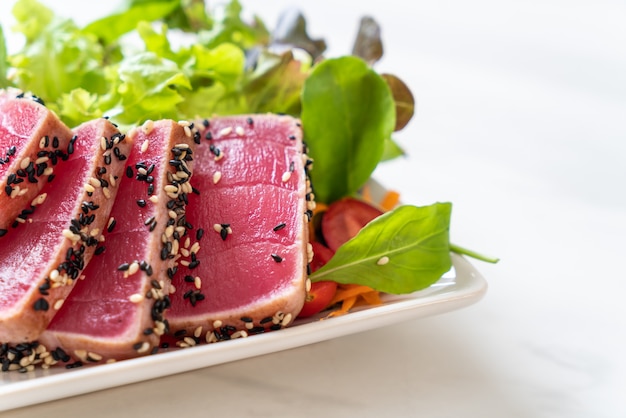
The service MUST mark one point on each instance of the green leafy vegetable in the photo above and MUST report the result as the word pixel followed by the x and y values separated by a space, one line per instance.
pixel 110 28
pixel 399 252
pixel 3 61
pixel 347 113
pixel 392 150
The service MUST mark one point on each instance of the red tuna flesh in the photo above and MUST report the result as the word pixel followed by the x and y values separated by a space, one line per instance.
pixel 29 134
pixel 43 257
pixel 117 311
pixel 251 229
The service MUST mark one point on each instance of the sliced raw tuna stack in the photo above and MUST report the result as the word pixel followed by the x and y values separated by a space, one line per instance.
pixel 244 270
pixel 32 141
pixel 59 229
pixel 117 311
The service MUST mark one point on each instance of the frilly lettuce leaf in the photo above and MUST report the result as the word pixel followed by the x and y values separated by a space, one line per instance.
pixel 3 60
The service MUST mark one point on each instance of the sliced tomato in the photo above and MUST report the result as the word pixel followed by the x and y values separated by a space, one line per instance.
pixel 317 299
pixel 344 219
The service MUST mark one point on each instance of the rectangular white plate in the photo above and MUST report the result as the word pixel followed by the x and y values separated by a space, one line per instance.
pixel 460 287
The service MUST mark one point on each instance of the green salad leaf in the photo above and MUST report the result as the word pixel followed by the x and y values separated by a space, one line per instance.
pixel 348 112
pixel 401 251
pixel 3 60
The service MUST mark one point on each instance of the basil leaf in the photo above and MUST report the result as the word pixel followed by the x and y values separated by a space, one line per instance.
pixel 392 150
pixel 347 113
pixel 401 251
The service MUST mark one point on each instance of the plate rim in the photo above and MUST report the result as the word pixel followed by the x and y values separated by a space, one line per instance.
pixel 468 287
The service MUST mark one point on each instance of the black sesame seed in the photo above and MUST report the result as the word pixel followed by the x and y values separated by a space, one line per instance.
pixel 123 267
pixel 100 250
pixel 277 258
pixel 41 305
pixel 250 121
pixel 292 137
pixel 55 142
pixel 279 226
pixel 3 232
pixel 199 234
pixel 223 234
pixel 141 203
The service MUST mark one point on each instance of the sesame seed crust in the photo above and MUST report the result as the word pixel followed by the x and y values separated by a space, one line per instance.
pixel 78 227
pixel 160 231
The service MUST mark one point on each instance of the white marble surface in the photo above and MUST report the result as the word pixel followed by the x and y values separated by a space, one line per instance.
pixel 521 124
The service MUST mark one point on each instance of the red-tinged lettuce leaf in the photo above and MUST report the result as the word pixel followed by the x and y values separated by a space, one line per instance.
pixel 401 251
pixel 368 44
pixel 402 96
pixel 347 113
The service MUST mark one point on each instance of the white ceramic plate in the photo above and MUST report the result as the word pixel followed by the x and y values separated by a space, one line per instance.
pixel 460 287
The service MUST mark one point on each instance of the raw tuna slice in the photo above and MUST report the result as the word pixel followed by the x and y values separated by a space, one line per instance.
pixel 59 231
pixel 32 141
pixel 246 270
pixel 117 311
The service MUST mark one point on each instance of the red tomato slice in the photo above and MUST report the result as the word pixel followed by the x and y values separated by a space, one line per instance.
pixel 318 297
pixel 344 219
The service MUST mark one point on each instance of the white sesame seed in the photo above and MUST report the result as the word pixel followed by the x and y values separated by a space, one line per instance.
pixel 144 145
pixel 147 126
pixel 225 131
pixel 58 304
pixel 23 191
pixel 308 285
pixel 217 228
pixel 217 176
pixel 112 180
pixel 187 131
pixel 39 199
pixel 170 188
pixel 382 260
pixel 133 268
pixel 195 247
pixel 190 341
pixel 42 142
pixel 103 143
pixel 24 163
pixel 136 298
pixel 54 274
pixel 286 320
pixel 286 176
pixel 106 192
pixel 197 332
pixel 239 131
pixel 144 347
pixel 197 282
pixel 94 182
pixel 89 188
pixel 43 159
pixel 217 323
pixel 154 198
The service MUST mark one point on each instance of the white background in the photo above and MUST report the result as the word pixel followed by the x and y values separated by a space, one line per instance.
pixel 521 123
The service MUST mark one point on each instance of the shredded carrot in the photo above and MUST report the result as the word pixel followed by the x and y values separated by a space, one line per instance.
pixel 350 295
pixel 345 307
pixel 390 200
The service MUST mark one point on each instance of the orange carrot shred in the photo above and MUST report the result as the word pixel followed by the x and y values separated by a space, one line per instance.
pixel 390 200
pixel 345 307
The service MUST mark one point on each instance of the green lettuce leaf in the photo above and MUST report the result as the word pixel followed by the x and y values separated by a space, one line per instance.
pixel 57 57
pixel 3 60
pixel 401 251
pixel 110 28
pixel 347 113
